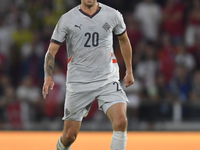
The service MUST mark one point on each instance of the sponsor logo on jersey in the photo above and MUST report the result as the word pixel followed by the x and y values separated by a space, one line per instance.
pixel 106 26
pixel 78 26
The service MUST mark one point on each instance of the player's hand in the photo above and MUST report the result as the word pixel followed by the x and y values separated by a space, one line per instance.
pixel 128 79
pixel 48 83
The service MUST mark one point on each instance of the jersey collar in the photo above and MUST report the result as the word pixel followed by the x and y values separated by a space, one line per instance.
pixel 90 16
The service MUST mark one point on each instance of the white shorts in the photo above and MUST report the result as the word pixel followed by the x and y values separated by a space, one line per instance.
pixel 77 105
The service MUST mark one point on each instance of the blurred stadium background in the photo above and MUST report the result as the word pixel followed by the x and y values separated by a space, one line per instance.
pixel 164 34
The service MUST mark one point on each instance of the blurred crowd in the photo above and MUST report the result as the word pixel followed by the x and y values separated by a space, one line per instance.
pixel 165 37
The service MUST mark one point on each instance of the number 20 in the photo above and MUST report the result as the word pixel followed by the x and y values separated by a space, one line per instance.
pixel 95 39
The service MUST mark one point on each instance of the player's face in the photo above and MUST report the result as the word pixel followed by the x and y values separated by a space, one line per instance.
pixel 89 3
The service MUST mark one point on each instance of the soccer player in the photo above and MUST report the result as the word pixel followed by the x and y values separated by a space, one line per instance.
pixel 92 68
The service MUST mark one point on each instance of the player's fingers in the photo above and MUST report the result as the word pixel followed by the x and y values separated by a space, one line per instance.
pixel 51 86
pixel 129 83
pixel 126 84
pixel 125 81
pixel 45 91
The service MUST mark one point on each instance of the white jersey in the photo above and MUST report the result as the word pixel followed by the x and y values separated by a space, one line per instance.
pixel 89 39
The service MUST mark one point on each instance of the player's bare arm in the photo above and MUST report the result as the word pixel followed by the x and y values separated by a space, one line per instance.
pixel 126 51
pixel 48 68
pixel 49 65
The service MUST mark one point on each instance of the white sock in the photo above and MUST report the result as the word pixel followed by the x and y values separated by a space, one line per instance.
pixel 119 139
pixel 60 145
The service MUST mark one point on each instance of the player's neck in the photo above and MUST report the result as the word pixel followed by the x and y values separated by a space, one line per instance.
pixel 90 10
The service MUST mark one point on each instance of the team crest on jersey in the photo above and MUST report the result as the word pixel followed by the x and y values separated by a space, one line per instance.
pixel 106 26
pixel 66 112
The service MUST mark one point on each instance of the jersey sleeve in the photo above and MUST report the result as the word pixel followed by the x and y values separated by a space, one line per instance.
pixel 60 32
pixel 120 27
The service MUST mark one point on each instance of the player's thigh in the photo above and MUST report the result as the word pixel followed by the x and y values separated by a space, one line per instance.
pixel 113 101
pixel 111 94
pixel 117 113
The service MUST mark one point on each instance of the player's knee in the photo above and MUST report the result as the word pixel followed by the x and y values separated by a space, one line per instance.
pixel 120 124
pixel 69 139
